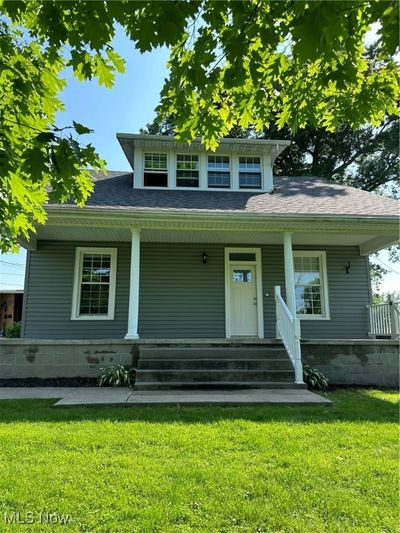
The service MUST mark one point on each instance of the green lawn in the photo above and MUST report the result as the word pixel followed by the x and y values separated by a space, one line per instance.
pixel 253 469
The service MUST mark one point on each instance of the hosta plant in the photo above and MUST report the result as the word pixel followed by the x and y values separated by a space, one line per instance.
pixel 116 376
pixel 314 378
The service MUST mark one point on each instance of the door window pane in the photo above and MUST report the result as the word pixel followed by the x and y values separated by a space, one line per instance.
pixel 241 256
pixel 242 276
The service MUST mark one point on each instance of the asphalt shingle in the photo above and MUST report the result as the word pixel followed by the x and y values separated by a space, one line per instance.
pixel 294 195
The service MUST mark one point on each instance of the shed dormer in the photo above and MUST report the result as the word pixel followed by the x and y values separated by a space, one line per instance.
pixel 161 162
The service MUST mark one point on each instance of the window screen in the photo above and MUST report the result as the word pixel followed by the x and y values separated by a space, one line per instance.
pixel 309 286
pixel 155 170
pixel 187 170
pixel 219 174
pixel 250 172
pixel 95 284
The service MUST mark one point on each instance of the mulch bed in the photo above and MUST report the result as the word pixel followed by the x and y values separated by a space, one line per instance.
pixel 49 382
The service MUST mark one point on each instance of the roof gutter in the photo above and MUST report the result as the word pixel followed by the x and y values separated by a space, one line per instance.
pixel 89 211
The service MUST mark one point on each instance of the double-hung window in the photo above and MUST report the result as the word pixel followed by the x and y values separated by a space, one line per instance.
pixel 250 172
pixel 311 284
pixel 219 171
pixel 187 170
pixel 155 170
pixel 94 284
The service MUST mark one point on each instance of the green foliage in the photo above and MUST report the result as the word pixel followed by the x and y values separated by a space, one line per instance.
pixel 116 376
pixel 283 63
pixel 386 297
pixel 160 127
pixel 245 63
pixel 14 331
pixel 314 378
pixel 366 158
pixel 37 160
pixel 376 272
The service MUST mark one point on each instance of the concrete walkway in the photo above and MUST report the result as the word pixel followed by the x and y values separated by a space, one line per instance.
pixel 128 398
pixel 124 397
pixel 25 393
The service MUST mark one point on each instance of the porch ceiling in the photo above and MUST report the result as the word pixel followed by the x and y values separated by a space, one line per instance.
pixel 67 233
pixel 369 233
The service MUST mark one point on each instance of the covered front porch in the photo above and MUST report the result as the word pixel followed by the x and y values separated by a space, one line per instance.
pixel 195 277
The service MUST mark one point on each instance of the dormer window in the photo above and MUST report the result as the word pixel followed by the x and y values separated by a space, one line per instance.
pixel 155 170
pixel 250 172
pixel 187 170
pixel 219 171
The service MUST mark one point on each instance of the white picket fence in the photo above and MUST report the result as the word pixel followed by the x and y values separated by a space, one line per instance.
pixel 384 319
pixel 288 329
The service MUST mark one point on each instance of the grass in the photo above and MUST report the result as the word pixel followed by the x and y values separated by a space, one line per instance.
pixel 244 469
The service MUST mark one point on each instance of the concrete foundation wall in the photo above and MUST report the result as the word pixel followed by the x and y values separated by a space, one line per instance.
pixel 20 358
pixel 347 362
pixel 374 362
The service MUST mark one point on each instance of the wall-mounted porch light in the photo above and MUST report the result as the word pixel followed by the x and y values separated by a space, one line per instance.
pixel 204 258
pixel 348 267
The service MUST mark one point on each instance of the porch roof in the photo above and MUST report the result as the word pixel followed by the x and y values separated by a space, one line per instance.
pixel 303 196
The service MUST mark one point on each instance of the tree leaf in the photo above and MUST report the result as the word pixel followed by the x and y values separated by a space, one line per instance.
pixel 80 129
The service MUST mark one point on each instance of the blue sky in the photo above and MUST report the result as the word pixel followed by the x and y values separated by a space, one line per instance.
pixel 125 108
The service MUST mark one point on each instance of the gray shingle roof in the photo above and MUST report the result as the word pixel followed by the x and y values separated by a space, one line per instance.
pixel 293 196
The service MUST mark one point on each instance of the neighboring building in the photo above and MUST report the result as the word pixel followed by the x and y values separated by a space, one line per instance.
pixel 191 246
pixel 10 308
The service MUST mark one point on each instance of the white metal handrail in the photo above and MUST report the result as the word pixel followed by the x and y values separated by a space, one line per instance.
pixel 288 328
pixel 384 319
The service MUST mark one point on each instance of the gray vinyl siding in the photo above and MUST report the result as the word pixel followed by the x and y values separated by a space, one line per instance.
pixel 348 294
pixel 49 296
pixel 182 298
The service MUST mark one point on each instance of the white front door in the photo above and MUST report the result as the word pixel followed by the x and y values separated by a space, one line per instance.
pixel 243 300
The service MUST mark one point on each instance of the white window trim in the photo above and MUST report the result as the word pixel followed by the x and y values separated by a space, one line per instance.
pixel 250 189
pixel 260 302
pixel 324 283
pixel 266 171
pixel 166 171
pixel 77 283
pixel 230 188
pixel 180 187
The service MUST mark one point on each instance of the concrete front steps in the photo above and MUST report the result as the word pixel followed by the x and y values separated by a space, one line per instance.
pixel 243 366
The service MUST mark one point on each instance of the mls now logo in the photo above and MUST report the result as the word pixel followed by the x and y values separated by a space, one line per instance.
pixel 31 518
pixel 19 518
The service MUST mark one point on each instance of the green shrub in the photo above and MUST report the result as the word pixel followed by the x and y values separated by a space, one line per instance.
pixel 14 331
pixel 116 376
pixel 314 378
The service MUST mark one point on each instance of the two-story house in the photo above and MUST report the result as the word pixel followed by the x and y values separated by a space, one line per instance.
pixel 196 257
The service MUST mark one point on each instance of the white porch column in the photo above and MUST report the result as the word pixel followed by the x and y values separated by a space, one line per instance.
pixel 289 273
pixel 133 314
